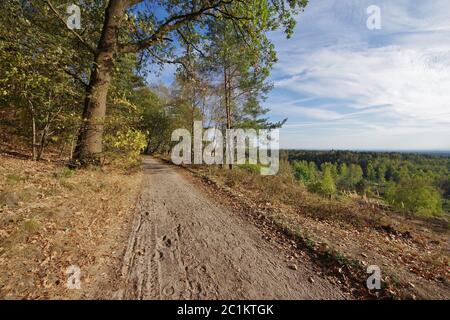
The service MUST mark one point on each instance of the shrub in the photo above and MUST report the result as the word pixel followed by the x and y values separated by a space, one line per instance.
pixel 328 186
pixel 31 226
pixel 416 196
pixel 66 173
pixel 324 186
pixel 253 168
pixel 301 171
pixel 125 146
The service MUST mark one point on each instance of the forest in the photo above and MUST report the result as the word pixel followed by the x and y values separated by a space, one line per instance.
pixel 89 96
pixel 412 182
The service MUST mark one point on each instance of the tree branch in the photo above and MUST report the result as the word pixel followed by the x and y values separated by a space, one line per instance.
pixel 169 25
pixel 163 60
pixel 74 76
pixel 186 41
pixel 76 34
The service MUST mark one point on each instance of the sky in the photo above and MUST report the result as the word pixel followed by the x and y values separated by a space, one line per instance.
pixel 343 86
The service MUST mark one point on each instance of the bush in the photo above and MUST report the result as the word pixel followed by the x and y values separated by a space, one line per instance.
pixel 324 186
pixel 363 188
pixel 415 196
pixel 301 171
pixel 253 168
pixel 124 147
pixel 328 186
pixel 66 173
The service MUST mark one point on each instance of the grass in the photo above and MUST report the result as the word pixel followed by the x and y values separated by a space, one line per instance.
pixel 66 173
pixel 31 226
pixel 14 178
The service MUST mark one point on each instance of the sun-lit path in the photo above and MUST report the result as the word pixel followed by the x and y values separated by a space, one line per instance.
pixel 184 246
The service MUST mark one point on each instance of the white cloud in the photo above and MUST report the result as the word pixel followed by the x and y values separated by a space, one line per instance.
pixel 313 113
pixel 371 88
pixel 415 84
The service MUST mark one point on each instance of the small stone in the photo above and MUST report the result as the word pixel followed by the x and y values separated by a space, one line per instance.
pixel 293 267
pixel 311 279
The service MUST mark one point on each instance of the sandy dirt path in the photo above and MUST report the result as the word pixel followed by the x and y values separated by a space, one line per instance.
pixel 185 246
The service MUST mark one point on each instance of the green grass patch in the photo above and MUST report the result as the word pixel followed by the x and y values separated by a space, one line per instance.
pixel 14 178
pixel 31 226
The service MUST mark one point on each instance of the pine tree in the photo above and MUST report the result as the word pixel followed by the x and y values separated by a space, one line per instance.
pixel 371 174
pixel 328 187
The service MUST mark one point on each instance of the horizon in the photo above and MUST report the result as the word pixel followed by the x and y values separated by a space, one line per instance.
pixel 374 150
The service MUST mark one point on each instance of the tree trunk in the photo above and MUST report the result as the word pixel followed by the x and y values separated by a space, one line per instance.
pixel 33 128
pixel 72 142
pixel 192 123
pixel 44 133
pixel 148 149
pixel 89 143
pixel 34 136
pixel 228 111
pixel 42 142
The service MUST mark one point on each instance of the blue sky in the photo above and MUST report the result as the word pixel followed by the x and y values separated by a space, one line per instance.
pixel 343 86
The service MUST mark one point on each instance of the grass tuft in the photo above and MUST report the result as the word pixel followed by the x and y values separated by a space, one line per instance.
pixel 31 226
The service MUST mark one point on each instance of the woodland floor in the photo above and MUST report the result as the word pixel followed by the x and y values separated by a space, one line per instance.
pixel 52 218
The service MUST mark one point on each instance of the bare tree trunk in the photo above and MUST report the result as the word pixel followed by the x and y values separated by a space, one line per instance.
pixel 42 142
pixel 227 110
pixel 89 143
pixel 33 128
pixel 191 85
pixel 34 137
pixel 72 143
pixel 192 123
pixel 148 149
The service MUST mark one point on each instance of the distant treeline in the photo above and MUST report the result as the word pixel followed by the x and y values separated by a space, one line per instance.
pixel 415 182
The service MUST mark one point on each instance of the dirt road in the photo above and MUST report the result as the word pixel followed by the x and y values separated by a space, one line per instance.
pixel 185 246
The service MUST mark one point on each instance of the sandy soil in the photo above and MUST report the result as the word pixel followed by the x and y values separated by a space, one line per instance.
pixel 185 246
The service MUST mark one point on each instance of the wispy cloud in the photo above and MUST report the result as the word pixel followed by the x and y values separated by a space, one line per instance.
pixel 389 85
